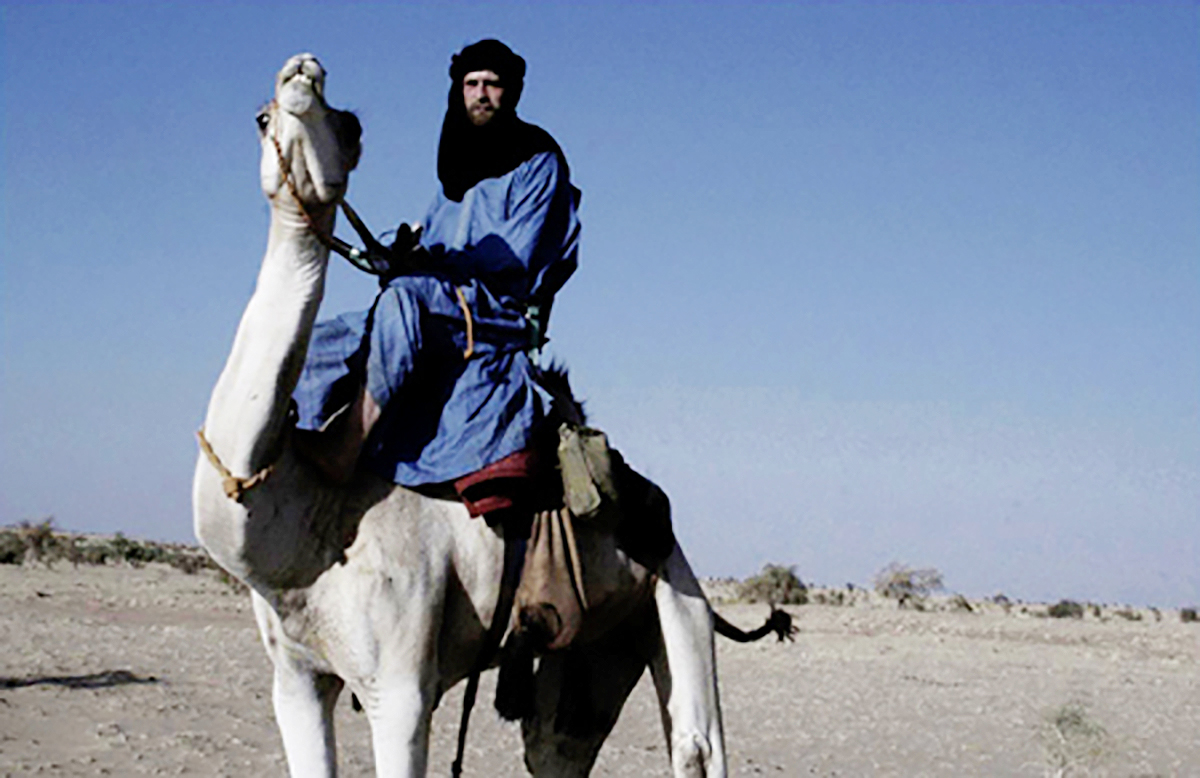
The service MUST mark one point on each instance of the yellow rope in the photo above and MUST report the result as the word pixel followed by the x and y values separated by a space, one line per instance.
pixel 235 487
pixel 462 303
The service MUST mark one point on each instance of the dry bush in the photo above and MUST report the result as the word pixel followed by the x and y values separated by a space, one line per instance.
pixel 831 597
pixel 1129 614
pixel 1188 615
pixel 909 586
pixel 237 586
pixel 960 604
pixel 775 585
pixel 12 547
pixel 1065 609
pixel 1073 741
pixel 28 542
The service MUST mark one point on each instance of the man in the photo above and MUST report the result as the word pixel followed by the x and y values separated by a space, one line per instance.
pixel 436 381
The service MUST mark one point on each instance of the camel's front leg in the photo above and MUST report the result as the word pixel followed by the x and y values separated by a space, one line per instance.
pixel 304 703
pixel 303 699
pixel 685 673
pixel 400 711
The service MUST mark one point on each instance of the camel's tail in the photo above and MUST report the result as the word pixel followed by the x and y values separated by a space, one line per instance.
pixel 779 623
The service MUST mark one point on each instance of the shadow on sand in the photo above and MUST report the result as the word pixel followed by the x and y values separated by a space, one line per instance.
pixel 100 680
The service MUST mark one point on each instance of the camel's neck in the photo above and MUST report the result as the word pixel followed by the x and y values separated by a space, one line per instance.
pixel 249 406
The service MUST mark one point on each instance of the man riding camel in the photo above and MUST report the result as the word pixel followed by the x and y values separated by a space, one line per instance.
pixel 438 379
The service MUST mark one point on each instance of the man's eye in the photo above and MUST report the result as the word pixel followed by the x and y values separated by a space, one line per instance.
pixel 472 82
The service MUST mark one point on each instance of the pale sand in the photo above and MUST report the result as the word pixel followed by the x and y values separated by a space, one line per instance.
pixel 865 691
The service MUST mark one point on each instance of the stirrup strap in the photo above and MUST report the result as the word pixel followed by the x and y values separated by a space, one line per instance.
pixel 514 561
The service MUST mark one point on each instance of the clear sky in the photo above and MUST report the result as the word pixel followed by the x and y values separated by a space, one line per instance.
pixel 858 283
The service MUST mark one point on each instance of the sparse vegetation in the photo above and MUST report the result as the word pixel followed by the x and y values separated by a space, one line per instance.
pixel 830 597
pixel 1073 741
pixel 1188 615
pixel 907 585
pixel 775 585
pixel 1129 614
pixel 960 604
pixel 40 543
pixel 1065 609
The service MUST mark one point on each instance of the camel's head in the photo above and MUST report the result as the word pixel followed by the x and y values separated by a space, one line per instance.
pixel 319 145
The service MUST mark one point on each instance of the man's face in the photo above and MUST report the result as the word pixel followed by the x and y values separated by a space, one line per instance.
pixel 482 94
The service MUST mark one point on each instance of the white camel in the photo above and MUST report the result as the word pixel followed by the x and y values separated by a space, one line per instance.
pixel 379 588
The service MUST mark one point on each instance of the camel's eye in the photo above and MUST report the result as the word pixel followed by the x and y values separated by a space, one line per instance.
pixel 263 119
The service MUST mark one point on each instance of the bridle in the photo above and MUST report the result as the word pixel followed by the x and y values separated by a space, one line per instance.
pixel 374 259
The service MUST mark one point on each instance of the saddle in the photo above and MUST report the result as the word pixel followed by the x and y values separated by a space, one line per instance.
pixel 540 493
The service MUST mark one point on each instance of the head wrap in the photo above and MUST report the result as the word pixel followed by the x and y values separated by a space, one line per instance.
pixel 491 54
pixel 468 154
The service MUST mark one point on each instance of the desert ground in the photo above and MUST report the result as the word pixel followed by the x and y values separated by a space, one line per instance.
pixel 121 670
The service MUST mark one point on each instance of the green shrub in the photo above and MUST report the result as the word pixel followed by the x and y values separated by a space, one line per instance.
pixel 775 585
pixel 1065 609
pixel 1188 615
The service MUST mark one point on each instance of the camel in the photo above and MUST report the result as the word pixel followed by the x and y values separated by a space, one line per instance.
pixel 385 590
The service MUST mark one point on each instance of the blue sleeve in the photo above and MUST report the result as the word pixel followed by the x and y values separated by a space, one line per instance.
pixel 527 248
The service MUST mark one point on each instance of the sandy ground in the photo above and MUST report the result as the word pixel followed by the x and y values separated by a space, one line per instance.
pixel 121 671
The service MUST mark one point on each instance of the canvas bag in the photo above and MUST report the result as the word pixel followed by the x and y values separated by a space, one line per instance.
pixel 587 471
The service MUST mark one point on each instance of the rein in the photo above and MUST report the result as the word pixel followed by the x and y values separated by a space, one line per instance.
pixel 371 260
pixel 375 259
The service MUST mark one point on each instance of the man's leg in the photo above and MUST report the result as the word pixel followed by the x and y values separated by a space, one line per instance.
pixel 334 448
pixel 395 338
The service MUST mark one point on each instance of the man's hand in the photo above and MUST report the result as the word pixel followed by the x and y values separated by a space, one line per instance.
pixel 406 240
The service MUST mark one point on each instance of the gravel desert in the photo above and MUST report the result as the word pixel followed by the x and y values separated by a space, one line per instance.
pixel 123 671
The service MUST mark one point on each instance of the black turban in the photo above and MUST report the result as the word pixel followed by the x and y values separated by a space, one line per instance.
pixel 491 54
pixel 468 154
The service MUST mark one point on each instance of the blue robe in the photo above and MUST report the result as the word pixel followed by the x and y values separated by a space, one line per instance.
pixel 510 242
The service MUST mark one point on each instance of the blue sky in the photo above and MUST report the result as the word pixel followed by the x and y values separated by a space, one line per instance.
pixel 859 283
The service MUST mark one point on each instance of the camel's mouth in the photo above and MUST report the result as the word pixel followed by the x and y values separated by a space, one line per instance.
pixel 300 84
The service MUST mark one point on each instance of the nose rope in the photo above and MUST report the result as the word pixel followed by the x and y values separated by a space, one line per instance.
pixel 286 171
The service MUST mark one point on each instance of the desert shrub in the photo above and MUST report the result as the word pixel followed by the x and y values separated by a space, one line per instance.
pixel 1073 740
pixel 775 585
pixel 1065 609
pixel 961 604
pixel 1095 609
pixel 907 585
pixel 12 547
pixel 1128 614
pixel 1188 615
pixel 829 597
pixel 40 543
pixel 237 586
pixel 95 553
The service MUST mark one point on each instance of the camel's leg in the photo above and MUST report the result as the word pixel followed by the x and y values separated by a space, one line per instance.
pixel 400 711
pixel 685 673
pixel 303 700
pixel 304 703
pixel 580 693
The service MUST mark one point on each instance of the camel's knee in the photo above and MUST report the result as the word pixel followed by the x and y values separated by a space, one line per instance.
pixel 691 756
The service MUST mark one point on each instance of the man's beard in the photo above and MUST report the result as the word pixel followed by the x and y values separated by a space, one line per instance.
pixel 480 113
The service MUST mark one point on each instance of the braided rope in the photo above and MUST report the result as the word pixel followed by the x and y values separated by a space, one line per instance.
pixel 235 486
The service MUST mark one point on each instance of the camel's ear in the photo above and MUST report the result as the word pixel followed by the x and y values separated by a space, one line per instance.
pixel 263 120
pixel 349 134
